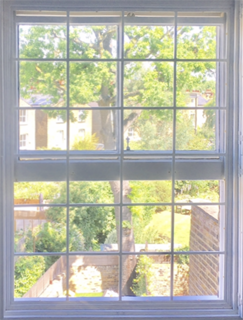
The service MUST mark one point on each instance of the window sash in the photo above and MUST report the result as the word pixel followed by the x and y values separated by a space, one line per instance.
pixel 14 309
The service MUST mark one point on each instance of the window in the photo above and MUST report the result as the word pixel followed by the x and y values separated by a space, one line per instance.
pixel 123 195
pixel 81 116
pixel 82 133
pixel 23 141
pixel 22 116
pixel 59 119
pixel 59 138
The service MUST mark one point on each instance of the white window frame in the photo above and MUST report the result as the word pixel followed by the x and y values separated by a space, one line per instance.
pixel 229 308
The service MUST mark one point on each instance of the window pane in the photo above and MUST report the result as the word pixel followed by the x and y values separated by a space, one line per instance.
pixel 148 129
pixel 42 84
pixel 196 84
pixel 200 273
pixel 42 41
pixel 92 192
pixel 148 230
pixel 93 228
pixel 44 130
pixel 147 191
pixel 39 229
pixel 196 42
pixel 199 133
pixel 148 84
pixel 93 276
pixel 197 228
pixel 146 276
pixel 100 130
pixel 199 190
pixel 39 193
pixel 93 84
pixel 93 42
pixel 149 42
pixel 39 277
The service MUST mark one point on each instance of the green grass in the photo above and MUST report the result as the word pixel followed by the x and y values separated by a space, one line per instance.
pixel 92 294
pixel 161 225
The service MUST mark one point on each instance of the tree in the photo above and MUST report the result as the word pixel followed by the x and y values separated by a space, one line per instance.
pixel 146 84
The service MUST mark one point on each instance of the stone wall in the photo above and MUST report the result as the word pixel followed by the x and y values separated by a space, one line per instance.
pixel 204 236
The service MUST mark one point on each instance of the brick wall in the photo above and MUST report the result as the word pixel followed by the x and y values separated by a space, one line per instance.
pixel 94 274
pixel 204 236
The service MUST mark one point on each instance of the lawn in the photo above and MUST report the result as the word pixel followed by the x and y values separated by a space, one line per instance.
pixel 92 294
pixel 161 225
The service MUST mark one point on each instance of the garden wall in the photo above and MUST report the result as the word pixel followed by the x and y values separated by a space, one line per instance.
pixel 204 236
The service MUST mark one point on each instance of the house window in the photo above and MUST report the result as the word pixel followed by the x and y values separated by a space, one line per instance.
pixel 23 141
pixel 59 119
pixel 81 116
pixel 22 116
pixel 81 133
pixel 119 224
pixel 60 138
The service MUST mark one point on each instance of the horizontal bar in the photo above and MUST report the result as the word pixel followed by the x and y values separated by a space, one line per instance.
pixel 119 108
pixel 201 170
pixel 107 253
pixel 157 204
pixel 201 21
pixel 40 20
pixel 110 170
pixel 117 60
pixel 163 21
pixel 94 20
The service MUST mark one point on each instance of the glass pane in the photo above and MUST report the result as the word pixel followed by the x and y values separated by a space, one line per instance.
pixel 93 84
pixel 93 228
pixel 40 277
pixel 149 42
pixel 148 84
pixel 42 84
pixel 43 130
pixel 148 129
pixel 39 229
pixel 93 192
pixel 42 41
pixel 196 42
pixel 93 276
pixel 146 228
pixel 196 84
pixel 93 130
pixel 39 193
pixel 197 275
pixel 93 42
pixel 147 191
pixel 199 133
pixel 197 228
pixel 146 275
pixel 199 190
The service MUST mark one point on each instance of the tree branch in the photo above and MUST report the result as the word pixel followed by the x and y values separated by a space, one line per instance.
pixel 130 119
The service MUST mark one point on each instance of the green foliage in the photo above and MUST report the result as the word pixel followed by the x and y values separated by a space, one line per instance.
pixel 93 223
pixel 143 280
pixel 204 189
pixel 27 271
pixel 32 190
pixel 86 143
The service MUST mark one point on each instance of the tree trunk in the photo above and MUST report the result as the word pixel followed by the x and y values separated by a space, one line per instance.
pixel 127 244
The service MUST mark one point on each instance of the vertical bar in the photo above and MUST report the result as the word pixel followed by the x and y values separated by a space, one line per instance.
pixel 67 161
pixel 122 152
pixel 173 163
pixel 228 163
